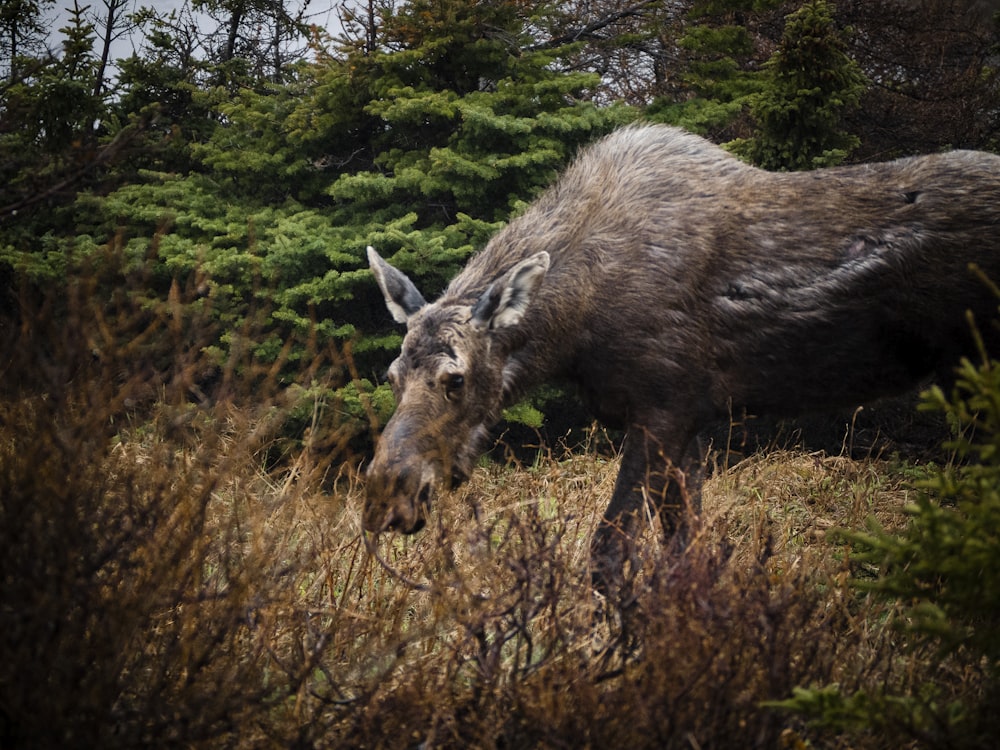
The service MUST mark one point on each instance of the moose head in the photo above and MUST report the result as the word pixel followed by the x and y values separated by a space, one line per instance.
pixel 451 381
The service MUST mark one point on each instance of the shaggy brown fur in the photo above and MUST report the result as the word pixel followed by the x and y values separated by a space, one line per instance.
pixel 674 285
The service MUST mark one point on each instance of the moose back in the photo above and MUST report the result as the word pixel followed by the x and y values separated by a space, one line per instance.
pixel 673 285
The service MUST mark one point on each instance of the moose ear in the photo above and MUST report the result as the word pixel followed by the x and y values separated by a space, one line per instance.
pixel 401 296
pixel 504 303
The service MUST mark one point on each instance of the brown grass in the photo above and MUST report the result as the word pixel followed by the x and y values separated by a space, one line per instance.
pixel 165 584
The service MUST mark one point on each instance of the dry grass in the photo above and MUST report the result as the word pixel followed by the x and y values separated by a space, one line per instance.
pixel 164 585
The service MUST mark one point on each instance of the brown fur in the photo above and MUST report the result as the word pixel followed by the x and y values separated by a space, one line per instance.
pixel 673 285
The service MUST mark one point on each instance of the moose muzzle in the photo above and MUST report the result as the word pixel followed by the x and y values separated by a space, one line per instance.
pixel 398 497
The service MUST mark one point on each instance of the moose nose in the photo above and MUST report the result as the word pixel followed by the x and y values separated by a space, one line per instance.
pixel 408 516
pixel 397 499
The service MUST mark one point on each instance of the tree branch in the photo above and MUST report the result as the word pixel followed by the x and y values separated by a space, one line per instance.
pixel 588 31
pixel 105 155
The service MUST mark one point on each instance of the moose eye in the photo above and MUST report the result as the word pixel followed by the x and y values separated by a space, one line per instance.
pixel 453 383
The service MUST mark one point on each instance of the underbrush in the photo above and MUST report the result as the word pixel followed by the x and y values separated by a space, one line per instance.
pixel 166 582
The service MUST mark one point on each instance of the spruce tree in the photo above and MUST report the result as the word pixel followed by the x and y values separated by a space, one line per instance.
pixel 459 126
pixel 51 124
pixel 719 50
pixel 809 84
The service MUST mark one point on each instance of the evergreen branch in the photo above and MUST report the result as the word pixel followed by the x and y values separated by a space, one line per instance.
pixel 105 155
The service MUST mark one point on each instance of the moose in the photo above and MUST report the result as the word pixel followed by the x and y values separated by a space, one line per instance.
pixel 673 285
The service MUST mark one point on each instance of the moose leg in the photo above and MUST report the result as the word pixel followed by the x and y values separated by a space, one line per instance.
pixel 647 476
pixel 681 500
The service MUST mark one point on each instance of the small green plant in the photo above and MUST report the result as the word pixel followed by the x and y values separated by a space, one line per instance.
pixel 942 573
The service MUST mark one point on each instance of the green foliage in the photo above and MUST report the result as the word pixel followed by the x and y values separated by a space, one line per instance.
pixel 22 35
pixel 720 49
pixel 864 712
pixel 525 413
pixel 943 573
pixel 463 127
pixel 948 561
pixel 48 117
pixel 462 120
pixel 792 101
pixel 809 84
pixel 715 76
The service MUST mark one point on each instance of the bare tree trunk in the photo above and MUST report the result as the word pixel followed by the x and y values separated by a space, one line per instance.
pixel 372 36
pixel 112 7
pixel 276 44
pixel 113 29
pixel 234 27
pixel 13 52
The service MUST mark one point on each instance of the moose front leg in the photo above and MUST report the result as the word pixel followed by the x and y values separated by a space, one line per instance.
pixel 680 502
pixel 648 481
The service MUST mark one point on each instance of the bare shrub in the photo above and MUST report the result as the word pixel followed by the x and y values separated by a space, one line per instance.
pixel 147 556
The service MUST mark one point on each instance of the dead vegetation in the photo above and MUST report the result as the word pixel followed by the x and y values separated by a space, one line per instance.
pixel 165 582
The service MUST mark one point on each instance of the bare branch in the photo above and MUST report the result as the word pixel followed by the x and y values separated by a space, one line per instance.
pixel 105 155
pixel 590 30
